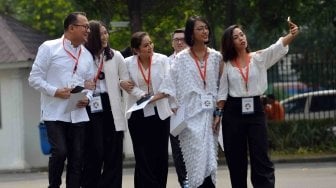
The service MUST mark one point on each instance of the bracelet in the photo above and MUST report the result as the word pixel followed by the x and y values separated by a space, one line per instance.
pixel 218 112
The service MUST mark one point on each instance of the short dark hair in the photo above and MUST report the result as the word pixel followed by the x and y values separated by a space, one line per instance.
pixel 271 96
pixel 94 44
pixel 180 30
pixel 137 39
pixel 227 46
pixel 189 29
pixel 71 19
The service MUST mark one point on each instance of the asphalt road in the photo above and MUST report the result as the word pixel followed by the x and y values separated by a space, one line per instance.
pixel 288 175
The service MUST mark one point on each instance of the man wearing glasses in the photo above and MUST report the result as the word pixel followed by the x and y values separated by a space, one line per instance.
pixel 178 42
pixel 61 65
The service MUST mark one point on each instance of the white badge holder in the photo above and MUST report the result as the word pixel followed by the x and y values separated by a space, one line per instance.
pixel 207 102
pixel 96 104
pixel 247 105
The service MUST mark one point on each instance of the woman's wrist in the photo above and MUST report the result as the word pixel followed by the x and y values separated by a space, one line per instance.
pixel 218 112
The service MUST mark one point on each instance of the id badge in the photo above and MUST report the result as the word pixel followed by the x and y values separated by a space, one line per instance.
pixel 96 104
pixel 207 102
pixel 149 110
pixel 247 105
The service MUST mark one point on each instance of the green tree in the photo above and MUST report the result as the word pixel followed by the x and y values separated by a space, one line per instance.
pixel 44 15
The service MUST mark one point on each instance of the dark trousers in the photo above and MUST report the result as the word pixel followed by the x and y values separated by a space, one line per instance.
pixel 104 151
pixel 242 133
pixel 150 137
pixel 67 143
pixel 103 155
pixel 178 159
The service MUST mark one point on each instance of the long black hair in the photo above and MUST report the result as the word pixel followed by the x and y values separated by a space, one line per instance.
pixel 227 45
pixel 94 44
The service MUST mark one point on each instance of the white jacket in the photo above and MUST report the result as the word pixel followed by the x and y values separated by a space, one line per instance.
pixel 115 70
pixel 159 69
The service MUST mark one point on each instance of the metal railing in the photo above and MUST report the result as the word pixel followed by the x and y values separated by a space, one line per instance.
pixel 296 74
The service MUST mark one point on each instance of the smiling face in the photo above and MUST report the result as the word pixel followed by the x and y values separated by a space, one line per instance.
pixel 239 39
pixel 178 42
pixel 201 32
pixel 80 30
pixel 104 36
pixel 146 48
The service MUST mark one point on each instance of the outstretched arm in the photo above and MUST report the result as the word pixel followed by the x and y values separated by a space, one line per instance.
pixel 293 32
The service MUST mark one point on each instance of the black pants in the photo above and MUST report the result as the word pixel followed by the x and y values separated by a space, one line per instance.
pixel 104 151
pixel 67 143
pixel 242 132
pixel 150 137
pixel 178 159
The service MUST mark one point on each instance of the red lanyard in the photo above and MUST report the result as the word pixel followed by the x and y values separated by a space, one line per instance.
pixel 149 72
pixel 76 59
pixel 99 68
pixel 205 58
pixel 245 77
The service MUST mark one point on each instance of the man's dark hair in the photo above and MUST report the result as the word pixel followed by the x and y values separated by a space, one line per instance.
pixel 180 30
pixel 271 96
pixel 71 19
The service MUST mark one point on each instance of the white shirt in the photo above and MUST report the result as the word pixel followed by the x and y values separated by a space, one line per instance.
pixel 52 69
pixel 159 70
pixel 232 82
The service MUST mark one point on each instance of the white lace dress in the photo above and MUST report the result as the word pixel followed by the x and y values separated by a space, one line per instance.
pixel 198 143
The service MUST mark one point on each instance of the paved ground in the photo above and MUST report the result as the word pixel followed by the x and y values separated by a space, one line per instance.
pixel 288 175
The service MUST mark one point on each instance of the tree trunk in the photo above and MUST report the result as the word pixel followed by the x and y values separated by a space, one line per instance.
pixel 134 11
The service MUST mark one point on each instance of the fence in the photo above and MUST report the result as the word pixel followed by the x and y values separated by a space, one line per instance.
pixel 301 86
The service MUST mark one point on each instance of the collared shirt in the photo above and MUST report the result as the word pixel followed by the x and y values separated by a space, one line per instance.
pixel 53 68
pixel 233 84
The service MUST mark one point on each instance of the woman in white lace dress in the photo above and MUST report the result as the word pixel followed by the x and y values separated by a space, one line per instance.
pixel 193 82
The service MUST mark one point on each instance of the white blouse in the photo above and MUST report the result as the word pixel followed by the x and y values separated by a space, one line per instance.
pixel 232 82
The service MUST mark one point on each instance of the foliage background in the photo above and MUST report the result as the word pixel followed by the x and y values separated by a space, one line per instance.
pixel 264 20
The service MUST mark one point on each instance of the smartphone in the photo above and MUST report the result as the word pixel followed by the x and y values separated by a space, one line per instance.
pixel 77 89
pixel 143 99
pixel 288 19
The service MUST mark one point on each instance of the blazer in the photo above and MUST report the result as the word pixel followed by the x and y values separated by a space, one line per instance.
pixel 115 71
pixel 159 69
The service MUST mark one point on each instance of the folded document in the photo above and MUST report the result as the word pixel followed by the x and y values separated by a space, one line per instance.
pixel 177 123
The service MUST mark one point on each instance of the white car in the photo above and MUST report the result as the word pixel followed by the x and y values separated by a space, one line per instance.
pixel 311 105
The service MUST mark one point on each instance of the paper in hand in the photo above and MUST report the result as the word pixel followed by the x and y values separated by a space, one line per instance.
pixel 77 93
pixel 140 104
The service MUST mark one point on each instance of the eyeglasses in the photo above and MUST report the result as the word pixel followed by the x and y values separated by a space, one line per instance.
pixel 205 28
pixel 178 39
pixel 86 27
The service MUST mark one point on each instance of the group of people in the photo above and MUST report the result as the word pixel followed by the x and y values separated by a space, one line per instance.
pixel 210 88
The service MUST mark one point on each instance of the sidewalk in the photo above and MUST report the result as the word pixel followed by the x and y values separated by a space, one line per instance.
pixel 288 175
